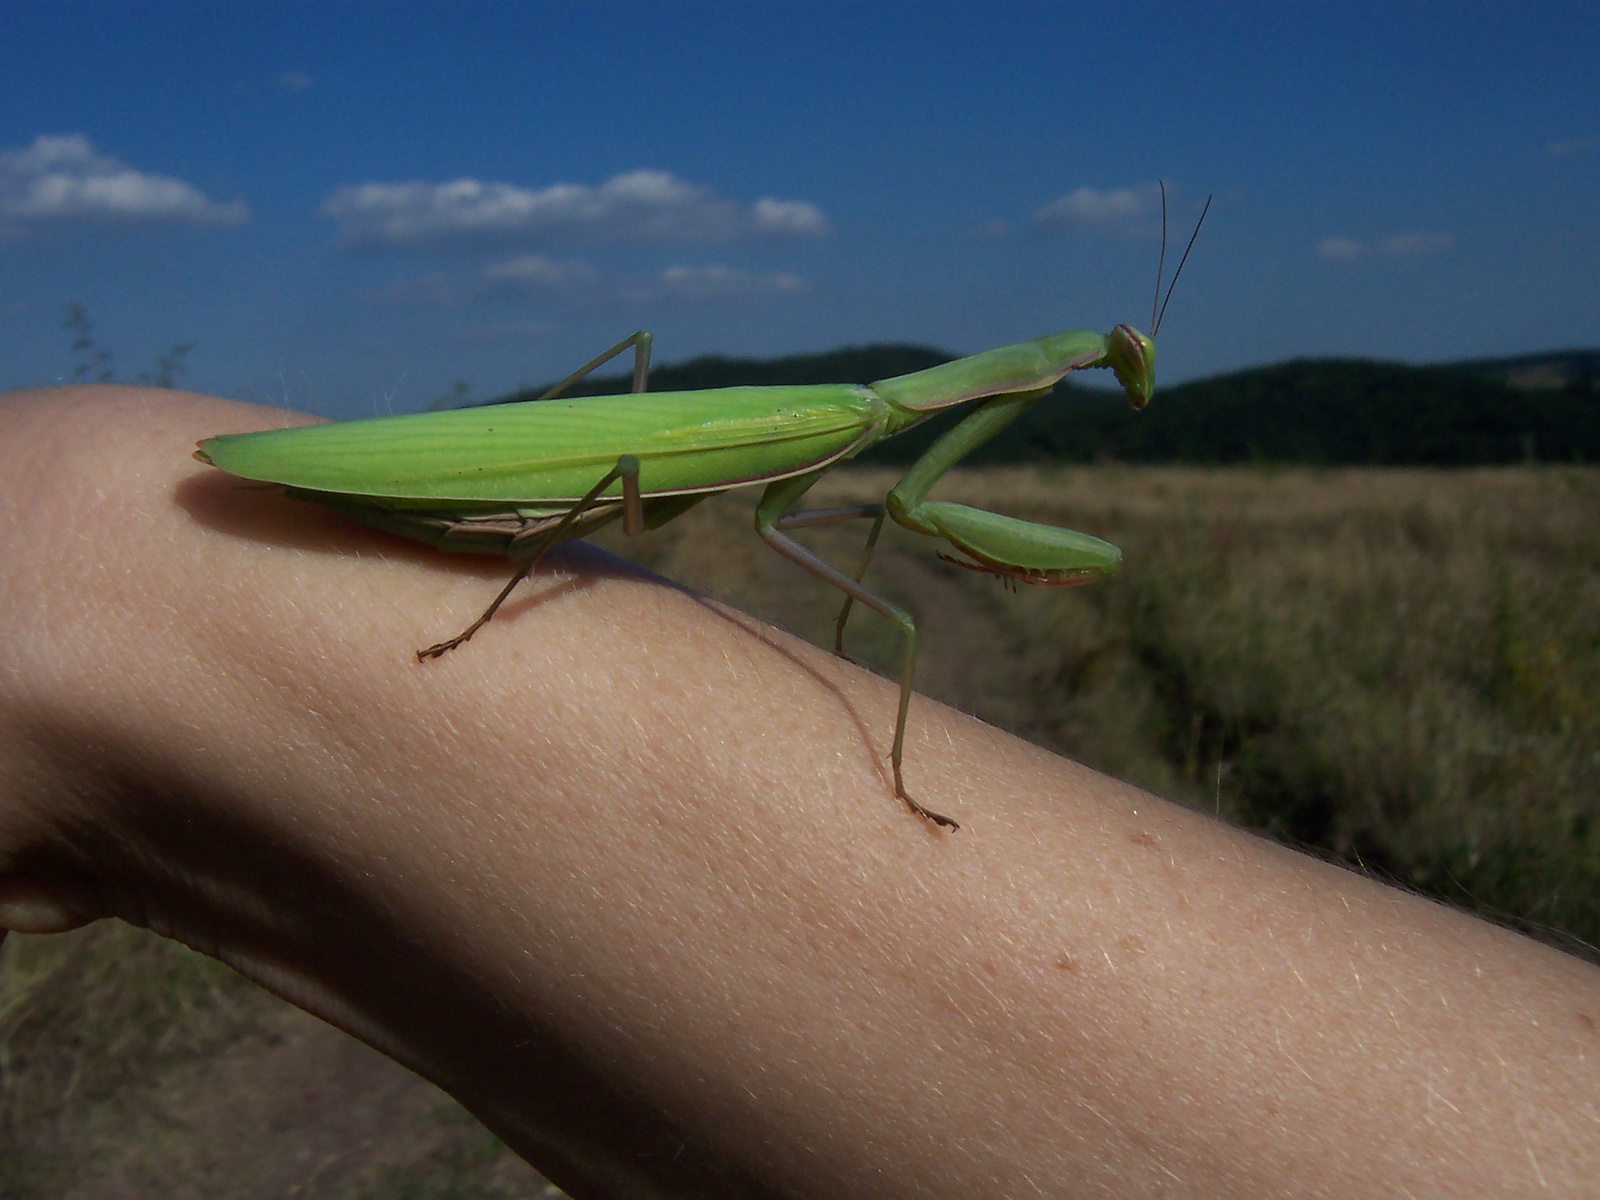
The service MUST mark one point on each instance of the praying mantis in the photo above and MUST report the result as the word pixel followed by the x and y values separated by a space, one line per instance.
pixel 518 479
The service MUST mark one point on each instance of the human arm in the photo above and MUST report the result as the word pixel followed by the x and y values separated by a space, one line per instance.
pixel 627 877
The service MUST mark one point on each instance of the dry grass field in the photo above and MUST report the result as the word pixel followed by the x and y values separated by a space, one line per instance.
pixel 1400 669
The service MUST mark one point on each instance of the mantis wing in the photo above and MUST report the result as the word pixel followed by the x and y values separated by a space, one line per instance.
pixel 555 450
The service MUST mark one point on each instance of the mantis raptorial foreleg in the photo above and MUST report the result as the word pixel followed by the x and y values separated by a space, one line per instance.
pixel 997 545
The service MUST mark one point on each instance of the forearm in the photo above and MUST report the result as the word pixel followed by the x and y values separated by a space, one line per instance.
pixel 627 875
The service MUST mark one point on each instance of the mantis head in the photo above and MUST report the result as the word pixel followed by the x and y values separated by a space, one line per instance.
pixel 1133 357
pixel 1128 352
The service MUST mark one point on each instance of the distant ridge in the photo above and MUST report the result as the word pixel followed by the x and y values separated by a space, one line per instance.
pixel 1331 412
pixel 1539 372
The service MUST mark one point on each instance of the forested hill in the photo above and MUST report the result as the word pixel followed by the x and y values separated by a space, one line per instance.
pixel 1320 411
pixel 1324 411
pixel 1540 372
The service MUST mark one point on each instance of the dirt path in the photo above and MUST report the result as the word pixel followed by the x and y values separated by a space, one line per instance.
pixel 230 1093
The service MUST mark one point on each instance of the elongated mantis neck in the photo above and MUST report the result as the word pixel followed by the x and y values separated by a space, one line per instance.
pixel 1026 371
pixel 1034 366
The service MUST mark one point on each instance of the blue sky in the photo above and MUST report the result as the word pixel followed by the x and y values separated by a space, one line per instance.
pixel 349 208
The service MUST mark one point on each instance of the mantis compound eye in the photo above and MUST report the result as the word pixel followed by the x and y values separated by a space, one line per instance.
pixel 1133 357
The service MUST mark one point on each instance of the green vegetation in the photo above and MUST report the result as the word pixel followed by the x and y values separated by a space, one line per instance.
pixel 92 362
pixel 84 1019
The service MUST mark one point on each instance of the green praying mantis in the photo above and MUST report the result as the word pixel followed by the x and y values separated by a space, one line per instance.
pixel 517 479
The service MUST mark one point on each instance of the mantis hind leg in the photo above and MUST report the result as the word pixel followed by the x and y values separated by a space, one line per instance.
pixel 828 516
pixel 627 470
pixel 639 340
pixel 770 520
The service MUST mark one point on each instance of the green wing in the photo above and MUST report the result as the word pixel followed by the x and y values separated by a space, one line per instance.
pixel 686 442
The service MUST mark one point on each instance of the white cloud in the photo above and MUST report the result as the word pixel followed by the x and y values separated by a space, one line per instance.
pixel 1126 211
pixel 61 181
pixel 652 206
pixel 1396 245
pixel 788 218
pixel 295 81
pixel 1578 145
pixel 715 282
pixel 536 269
pixel 1341 249
pixel 532 273
pixel 533 276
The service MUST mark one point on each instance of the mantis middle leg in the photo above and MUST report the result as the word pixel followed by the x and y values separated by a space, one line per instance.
pixel 829 516
pixel 640 341
pixel 772 517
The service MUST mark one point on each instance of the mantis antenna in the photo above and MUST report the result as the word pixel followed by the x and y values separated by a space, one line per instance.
pixel 1162 261
pixel 1155 315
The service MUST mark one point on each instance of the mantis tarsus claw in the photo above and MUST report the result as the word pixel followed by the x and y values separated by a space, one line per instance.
pixel 927 814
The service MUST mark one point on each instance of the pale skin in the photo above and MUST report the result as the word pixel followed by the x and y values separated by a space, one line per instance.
pixel 628 877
